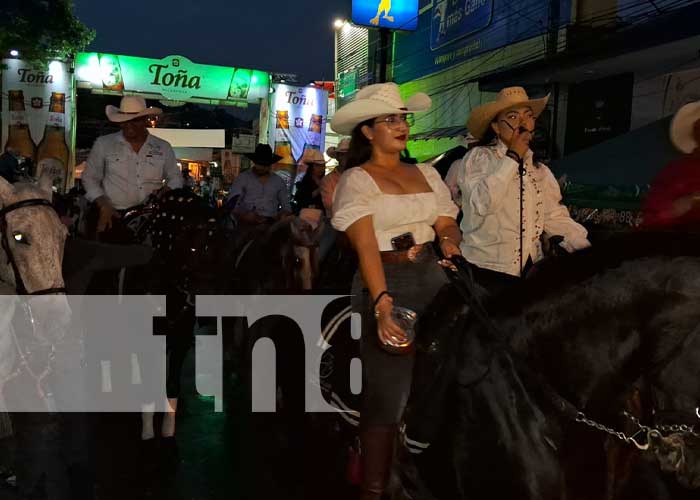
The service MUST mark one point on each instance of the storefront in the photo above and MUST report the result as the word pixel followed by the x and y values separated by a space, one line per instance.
pixel 172 82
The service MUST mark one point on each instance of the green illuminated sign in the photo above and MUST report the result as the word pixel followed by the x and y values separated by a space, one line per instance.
pixel 174 77
pixel 348 84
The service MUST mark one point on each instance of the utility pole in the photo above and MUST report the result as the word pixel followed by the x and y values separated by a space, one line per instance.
pixel 552 49
pixel 384 40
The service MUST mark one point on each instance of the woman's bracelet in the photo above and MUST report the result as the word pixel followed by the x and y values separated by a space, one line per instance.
pixel 379 297
pixel 447 238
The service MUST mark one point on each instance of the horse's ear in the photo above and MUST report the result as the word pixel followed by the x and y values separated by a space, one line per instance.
pixel 7 191
pixel 46 183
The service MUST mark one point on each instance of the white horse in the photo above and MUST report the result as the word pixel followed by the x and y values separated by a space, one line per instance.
pixel 31 255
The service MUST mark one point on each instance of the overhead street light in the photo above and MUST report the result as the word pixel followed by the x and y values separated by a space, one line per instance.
pixel 14 53
pixel 339 23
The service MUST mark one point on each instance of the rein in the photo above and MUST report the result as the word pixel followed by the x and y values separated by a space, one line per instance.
pixel 463 280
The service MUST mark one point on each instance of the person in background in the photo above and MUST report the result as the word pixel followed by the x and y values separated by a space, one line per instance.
pixel 206 191
pixel 673 201
pixel 391 212
pixel 330 181
pixel 257 195
pixel 9 165
pixel 124 168
pixel 501 224
pixel 187 180
pixel 308 189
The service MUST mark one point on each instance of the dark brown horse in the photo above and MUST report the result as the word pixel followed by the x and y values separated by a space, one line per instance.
pixel 538 377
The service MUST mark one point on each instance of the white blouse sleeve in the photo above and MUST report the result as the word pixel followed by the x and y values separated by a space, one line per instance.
pixel 445 206
pixel 352 198
pixel 484 180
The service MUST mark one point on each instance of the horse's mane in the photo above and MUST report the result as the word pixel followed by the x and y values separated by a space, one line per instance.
pixel 26 190
pixel 556 274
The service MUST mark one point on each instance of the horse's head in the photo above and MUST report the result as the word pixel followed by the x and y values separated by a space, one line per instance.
pixel 282 260
pixel 305 238
pixel 33 238
pixel 678 454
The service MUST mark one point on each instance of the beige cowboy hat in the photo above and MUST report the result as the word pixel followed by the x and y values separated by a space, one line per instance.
pixel 377 100
pixel 313 156
pixel 682 127
pixel 130 107
pixel 511 97
pixel 342 147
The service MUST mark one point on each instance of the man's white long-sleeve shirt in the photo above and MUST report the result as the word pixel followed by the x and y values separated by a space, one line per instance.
pixel 126 177
pixel 490 187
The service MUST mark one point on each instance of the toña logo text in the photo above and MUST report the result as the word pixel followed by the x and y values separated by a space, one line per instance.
pixel 27 75
pixel 167 78
pixel 296 97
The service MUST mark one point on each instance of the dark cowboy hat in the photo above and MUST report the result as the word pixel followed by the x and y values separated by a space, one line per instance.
pixel 263 155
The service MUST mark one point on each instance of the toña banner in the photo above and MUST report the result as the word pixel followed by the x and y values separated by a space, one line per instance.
pixel 296 123
pixel 37 117
pixel 173 77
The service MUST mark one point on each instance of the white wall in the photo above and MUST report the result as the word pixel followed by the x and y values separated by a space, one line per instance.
pixel 191 138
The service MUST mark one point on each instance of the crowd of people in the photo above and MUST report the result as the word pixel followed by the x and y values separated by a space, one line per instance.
pixel 400 218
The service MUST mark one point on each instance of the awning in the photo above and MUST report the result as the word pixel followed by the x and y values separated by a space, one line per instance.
pixel 632 159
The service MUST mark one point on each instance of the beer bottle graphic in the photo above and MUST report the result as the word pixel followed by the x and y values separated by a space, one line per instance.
pixel 240 83
pixel 111 73
pixel 19 137
pixel 284 149
pixel 53 153
pixel 282 120
pixel 316 124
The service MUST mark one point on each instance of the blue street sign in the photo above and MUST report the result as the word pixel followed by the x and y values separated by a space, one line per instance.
pixel 392 14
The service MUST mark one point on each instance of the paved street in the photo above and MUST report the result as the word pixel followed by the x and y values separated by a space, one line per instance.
pixel 229 455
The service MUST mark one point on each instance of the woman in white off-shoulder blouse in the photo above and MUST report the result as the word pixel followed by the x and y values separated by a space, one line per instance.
pixel 392 212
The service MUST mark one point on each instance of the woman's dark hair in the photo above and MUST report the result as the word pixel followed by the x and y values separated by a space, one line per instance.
pixel 488 138
pixel 360 150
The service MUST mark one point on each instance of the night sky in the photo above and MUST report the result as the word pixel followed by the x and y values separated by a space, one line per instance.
pixel 272 35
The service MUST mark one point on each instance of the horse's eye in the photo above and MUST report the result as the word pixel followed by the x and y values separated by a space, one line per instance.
pixel 297 262
pixel 20 238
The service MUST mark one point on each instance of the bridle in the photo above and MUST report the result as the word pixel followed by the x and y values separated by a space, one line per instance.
pixel 20 287
pixel 45 395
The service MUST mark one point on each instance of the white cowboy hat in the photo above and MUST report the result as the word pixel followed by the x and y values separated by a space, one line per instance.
pixel 313 156
pixel 130 107
pixel 511 97
pixel 342 147
pixel 682 127
pixel 377 100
